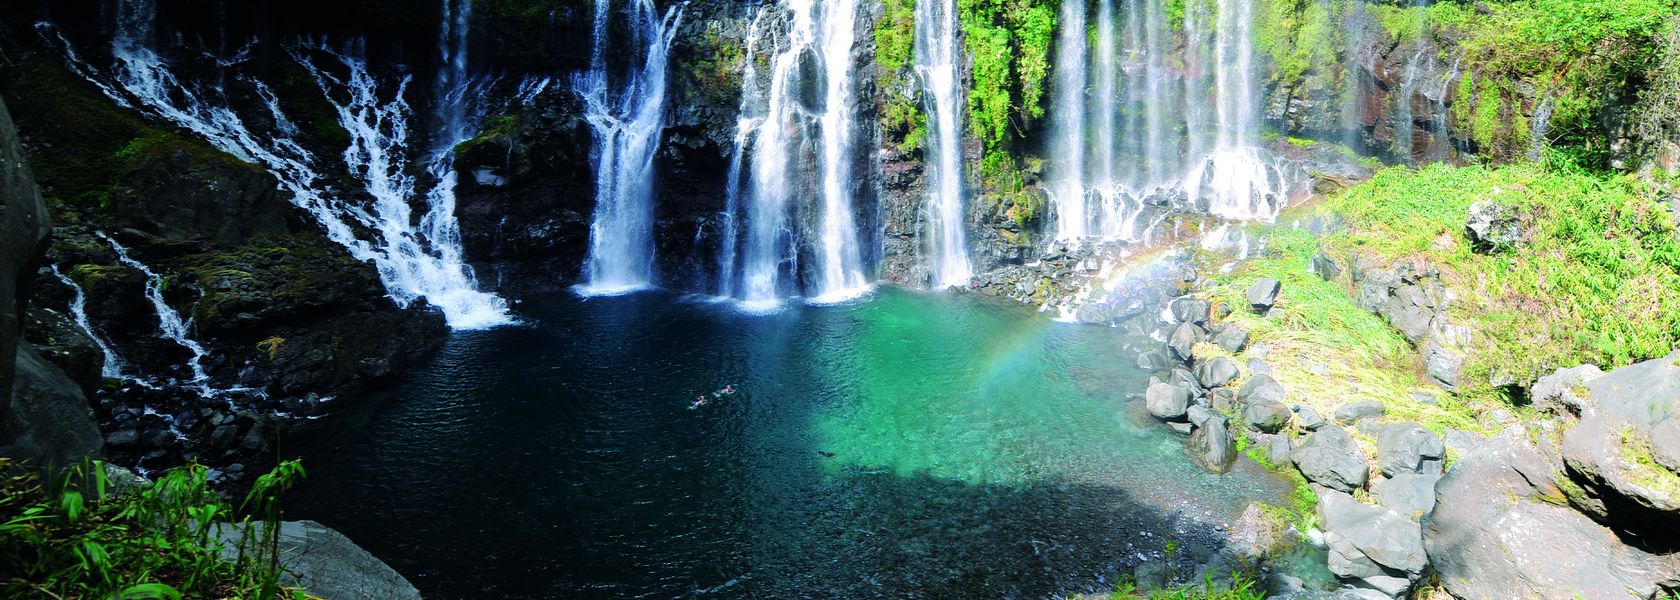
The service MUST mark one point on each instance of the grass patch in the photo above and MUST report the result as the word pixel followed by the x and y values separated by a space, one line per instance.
pixel 79 538
pixel 1635 453
pixel 1597 281
pixel 1323 348
pixel 1241 587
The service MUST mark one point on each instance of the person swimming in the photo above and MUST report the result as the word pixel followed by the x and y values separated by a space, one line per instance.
pixel 698 402
pixel 728 389
pixel 826 454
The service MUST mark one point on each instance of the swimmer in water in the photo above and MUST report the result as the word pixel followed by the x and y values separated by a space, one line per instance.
pixel 729 389
pixel 827 454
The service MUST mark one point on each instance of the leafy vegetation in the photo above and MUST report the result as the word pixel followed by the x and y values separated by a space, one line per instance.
pixel 1597 281
pixel 1240 587
pixel 895 44
pixel 81 537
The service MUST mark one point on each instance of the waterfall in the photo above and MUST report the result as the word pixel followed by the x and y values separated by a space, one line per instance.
pixel 627 128
pixel 413 262
pixel 797 113
pixel 1068 125
pixel 1143 117
pixel 170 323
pixel 936 62
pixel 113 368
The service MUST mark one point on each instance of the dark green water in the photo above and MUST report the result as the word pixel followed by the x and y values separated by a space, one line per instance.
pixel 979 451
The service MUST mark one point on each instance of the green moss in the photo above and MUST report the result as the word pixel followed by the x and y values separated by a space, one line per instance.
pixel 1635 453
pixel 90 276
pixel 895 42
pixel 498 127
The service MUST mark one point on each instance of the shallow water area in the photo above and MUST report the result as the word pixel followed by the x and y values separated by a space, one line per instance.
pixel 897 445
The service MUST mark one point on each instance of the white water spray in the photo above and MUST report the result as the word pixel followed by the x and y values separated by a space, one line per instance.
pixel 113 368
pixel 413 262
pixel 170 323
pixel 802 102
pixel 936 62
pixel 627 127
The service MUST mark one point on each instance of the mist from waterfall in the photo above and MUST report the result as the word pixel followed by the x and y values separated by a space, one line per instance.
pixel 627 127
pixel 937 59
pixel 1135 128
pixel 796 122
pixel 414 261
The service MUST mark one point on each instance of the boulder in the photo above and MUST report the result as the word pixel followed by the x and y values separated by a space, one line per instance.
pixel 1564 391
pixel 1232 338
pixel 1307 418
pixel 1324 267
pixel 1190 310
pixel 1216 372
pixel 1611 451
pixel 1267 417
pixel 1212 446
pixel 1258 366
pixel 1153 361
pixel 1353 412
pixel 1444 365
pixel 1371 543
pixel 1199 415
pixel 325 563
pixel 1494 227
pixel 1259 389
pixel 1409 494
pixel 1281 450
pixel 1223 400
pixel 65 344
pixel 1499 530
pixel 1182 342
pixel 1167 401
pixel 1409 448
pixel 1460 441
pixel 1263 294
pixel 50 420
pixel 1329 457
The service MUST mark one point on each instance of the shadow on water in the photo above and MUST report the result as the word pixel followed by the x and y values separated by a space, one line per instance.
pixel 977 451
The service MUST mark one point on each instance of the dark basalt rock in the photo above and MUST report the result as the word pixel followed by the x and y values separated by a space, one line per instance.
pixel 1329 457
pixel 1263 294
pixel 1408 448
pixel 1212 446
pixel 1266 417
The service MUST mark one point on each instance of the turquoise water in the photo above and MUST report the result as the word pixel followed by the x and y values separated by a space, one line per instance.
pixel 903 445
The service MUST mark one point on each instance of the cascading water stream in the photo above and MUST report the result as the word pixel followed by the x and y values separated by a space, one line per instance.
pixel 627 128
pixel 782 119
pixel 1068 189
pixel 413 262
pixel 170 323
pixel 113 368
pixel 936 58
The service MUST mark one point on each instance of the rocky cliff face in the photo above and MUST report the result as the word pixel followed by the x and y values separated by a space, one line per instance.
pixel 43 415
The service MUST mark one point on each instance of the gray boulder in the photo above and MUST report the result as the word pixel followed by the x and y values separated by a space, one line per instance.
pixel 1267 417
pixel 1216 372
pixel 1182 342
pixel 1232 338
pixel 1190 310
pixel 1167 401
pixel 1329 457
pixel 1409 448
pixel 1613 452
pixel 50 419
pixel 1373 545
pixel 1152 361
pixel 1307 418
pixel 1564 391
pixel 1212 446
pixel 1494 227
pixel 1259 389
pixel 1409 494
pixel 1262 296
pixel 1259 367
pixel 1353 412
pixel 325 563
pixel 1199 415
pixel 1324 267
pixel 1444 365
pixel 1499 530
